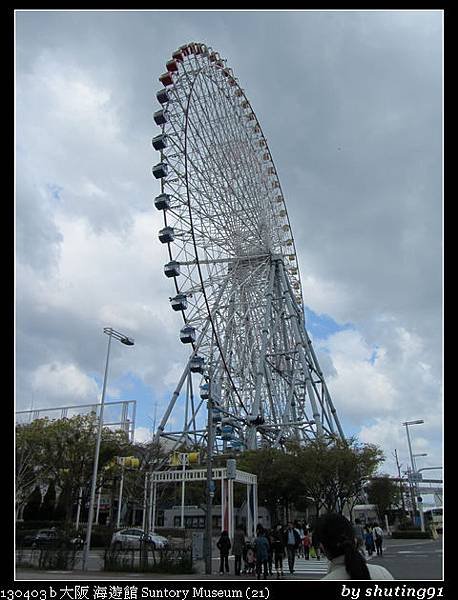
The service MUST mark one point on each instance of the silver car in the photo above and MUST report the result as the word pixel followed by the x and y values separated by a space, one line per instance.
pixel 131 538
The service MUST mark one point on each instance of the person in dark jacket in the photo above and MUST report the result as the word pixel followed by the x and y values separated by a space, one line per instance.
pixel 261 545
pixel 224 545
pixel 278 550
pixel 369 540
pixel 316 544
pixel 237 548
pixel 292 541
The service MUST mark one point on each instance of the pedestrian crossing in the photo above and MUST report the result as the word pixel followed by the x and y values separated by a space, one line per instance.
pixel 301 565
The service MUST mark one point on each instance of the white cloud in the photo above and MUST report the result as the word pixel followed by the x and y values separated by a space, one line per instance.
pixel 142 435
pixel 58 383
pixel 360 388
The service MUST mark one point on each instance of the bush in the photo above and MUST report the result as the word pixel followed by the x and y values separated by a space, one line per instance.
pixel 411 534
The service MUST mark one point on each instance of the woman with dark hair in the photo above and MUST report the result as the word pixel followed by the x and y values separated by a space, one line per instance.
pixel 339 544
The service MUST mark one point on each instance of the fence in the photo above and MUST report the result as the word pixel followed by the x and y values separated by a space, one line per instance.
pixel 174 560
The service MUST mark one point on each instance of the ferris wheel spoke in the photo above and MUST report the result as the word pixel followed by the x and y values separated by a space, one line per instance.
pixel 223 143
pixel 250 197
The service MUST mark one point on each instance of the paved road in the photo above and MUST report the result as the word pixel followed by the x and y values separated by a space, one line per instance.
pixel 405 559
pixel 413 559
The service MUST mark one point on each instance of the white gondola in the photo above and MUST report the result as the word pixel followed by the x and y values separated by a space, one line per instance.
pixel 159 117
pixel 162 96
pixel 217 414
pixel 162 202
pixel 188 334
pixel 172 269
pixel 179 302
pixel 205 391
pixel 236 444
pixel 166 235
pixel 196 364
pixel 160 170
pixel 227 432
pixel 159 141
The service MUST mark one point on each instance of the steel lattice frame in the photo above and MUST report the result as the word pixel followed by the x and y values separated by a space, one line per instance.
pixel 233 260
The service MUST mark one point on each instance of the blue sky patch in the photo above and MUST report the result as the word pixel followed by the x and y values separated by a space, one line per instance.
pixel 321 326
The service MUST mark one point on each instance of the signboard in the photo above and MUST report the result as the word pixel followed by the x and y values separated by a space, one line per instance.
pixel 415 477
pixel 197 544
pixel 231 466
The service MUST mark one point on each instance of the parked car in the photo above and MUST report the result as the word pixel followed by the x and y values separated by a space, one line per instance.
pixel 47 538
pixel 132 538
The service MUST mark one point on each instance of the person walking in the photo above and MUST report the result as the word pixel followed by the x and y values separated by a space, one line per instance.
pixel 306 543
pixel 378 539
pixel 316 543
pixel 278 550
pixel 224 545
pixel 338 542
pixel 359 535
pixel 369 540
pixel 300 530
pixel 261 545
pixel 268 534
pixel 292 542
pixel 238 548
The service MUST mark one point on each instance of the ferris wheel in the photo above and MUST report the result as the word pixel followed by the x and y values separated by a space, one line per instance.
pixel 233 267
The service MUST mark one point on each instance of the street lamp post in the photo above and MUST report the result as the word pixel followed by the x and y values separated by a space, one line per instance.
pixel 128 342
pixel 419 500
pixel 412 462
pixel 210 492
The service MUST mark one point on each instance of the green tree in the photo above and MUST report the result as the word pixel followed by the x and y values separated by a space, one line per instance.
pixel 277 478
pixel 63 450
pixel 31 469
pixel 333 473
pixel 328 474
pixel 32 507
pixel 49 503
pixel 384 493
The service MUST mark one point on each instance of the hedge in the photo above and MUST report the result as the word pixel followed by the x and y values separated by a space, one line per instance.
pixel 411 534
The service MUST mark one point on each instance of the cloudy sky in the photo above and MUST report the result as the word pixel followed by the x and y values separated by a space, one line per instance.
pixel 351 105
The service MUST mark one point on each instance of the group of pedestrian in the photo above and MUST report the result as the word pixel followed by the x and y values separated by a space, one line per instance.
pixel 341 542
pixel 369 537
pixel 268 550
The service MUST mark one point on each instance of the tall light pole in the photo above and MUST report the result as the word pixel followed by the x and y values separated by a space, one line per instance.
pixel 417 456
pixel 128 342
pixel 210 491
pixel 412 461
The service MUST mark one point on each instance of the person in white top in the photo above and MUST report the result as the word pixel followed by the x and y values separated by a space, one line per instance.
pixel 338 543
pixel 378 539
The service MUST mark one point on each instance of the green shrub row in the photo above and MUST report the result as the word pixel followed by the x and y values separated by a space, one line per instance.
pixel 411 534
